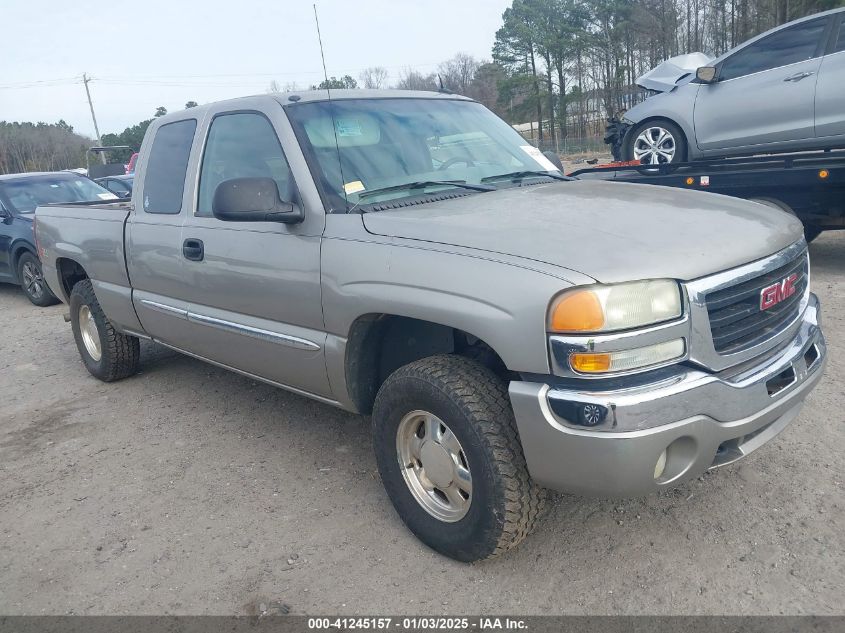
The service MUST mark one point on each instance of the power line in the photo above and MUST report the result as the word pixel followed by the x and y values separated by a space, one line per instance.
pixel 173 80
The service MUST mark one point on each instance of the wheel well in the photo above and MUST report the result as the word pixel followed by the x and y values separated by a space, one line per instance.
pixel 379 344
pixel 70 274
pixel 629 139
pixel 20 249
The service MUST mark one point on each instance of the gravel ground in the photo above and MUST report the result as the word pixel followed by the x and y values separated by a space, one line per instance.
pixel 191 490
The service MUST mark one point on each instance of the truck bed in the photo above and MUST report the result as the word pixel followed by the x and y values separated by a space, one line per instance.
pixel 92 235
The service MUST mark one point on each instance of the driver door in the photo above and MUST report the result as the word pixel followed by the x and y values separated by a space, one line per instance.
pixel 253 288
pixel 764 92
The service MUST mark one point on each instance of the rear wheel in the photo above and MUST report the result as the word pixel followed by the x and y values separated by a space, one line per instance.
pixel 450 459
pixel 106 353
pixel 656 143
pixel 32 281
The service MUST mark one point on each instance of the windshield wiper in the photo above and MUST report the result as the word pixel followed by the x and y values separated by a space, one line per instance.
pixel 422 184
pixel 519 175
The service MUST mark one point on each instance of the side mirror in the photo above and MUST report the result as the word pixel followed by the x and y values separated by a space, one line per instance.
pixel 555 158
pixel 253 200
pixel 706 74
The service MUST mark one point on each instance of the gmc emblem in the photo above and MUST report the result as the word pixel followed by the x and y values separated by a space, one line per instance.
pixel 777 292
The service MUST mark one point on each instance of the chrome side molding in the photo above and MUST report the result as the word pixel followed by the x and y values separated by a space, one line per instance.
pixel 230 326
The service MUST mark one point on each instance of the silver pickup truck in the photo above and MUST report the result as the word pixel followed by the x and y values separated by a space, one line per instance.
pixel 410 257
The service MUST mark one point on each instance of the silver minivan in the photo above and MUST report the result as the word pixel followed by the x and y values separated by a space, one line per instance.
pixel 783 90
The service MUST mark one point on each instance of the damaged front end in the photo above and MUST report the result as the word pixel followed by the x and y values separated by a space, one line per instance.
pixel 665 77
pixel 674 72
pixel 614 136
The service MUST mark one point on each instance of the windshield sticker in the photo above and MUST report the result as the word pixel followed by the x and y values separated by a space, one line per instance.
pixel 537 155
pixel 356 186
pixel 348 127
pixel 106 196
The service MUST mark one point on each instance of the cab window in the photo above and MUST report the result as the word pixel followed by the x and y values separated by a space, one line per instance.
pixel 164 179
pixel 241 145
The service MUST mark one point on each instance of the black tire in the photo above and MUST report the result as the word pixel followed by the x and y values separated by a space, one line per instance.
pixel 680 154
pixel 119 353
pixel 473 402
pixel 32 281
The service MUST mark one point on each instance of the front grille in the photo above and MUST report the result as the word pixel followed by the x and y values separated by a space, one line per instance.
pixel 736 320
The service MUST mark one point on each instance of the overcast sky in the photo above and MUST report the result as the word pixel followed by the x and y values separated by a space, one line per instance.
pixel 146 53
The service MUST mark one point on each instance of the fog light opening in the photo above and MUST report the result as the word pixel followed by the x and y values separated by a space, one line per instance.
pixel 675 460
pixel 660 466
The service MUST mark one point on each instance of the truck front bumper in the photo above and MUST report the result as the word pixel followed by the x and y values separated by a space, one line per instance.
pixel 701 420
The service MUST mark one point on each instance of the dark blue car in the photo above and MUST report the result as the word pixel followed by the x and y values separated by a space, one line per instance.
pixel 20 194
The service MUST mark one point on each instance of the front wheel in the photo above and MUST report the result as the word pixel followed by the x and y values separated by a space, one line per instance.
pixel 450 458
pixel 656 143
pixel 106 353
pixel 32 281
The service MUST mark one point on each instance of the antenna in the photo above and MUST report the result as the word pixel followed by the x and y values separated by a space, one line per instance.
pixel 331 110
pixel 322 54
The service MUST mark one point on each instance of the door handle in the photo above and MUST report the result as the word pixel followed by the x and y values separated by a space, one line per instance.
pixel 193 249
pixel 799 76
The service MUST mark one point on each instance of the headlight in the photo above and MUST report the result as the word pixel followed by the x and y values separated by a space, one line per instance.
pixel 624 306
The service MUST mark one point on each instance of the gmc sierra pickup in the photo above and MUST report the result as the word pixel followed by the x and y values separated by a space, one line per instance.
pixel 408 256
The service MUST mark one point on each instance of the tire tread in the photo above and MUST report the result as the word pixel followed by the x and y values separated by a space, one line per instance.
pixel 121 353
pixel 484 399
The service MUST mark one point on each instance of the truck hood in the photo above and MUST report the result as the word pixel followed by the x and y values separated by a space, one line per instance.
pixel 609 231
pixel 665 76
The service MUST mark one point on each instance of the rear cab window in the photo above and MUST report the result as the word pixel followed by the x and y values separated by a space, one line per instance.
pixel 167 167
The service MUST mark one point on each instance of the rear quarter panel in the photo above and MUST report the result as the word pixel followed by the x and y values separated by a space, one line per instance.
pixel 91 236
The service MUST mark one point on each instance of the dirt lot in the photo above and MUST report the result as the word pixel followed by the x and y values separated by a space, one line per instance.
pixel 187 489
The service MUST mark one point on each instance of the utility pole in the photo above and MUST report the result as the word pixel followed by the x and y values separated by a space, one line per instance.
pixel 85 80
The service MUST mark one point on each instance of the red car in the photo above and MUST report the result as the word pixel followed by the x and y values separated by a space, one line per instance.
pixel 130 166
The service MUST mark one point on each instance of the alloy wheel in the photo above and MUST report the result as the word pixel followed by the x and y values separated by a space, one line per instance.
pixel 654 146
pixel 33 281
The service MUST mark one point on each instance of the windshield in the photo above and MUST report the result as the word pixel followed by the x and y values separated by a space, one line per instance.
pixel 27 193
pixel 357 148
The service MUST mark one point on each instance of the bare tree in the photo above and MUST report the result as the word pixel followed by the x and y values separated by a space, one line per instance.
pixel 410 79
pixel 458 73
pixel 40 147
pixel 374 77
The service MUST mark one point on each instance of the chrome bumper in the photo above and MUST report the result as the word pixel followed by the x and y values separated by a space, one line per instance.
pixel 702 420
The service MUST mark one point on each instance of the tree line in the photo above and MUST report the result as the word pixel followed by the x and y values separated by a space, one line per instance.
pixel 40 147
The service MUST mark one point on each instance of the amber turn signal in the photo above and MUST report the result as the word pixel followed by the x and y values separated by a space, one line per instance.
pixel 590 363
pixel 579 311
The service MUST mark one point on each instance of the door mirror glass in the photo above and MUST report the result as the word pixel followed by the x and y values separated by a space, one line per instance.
pixel 253 200
pixel 706 74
